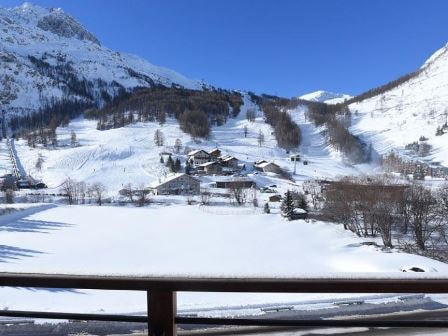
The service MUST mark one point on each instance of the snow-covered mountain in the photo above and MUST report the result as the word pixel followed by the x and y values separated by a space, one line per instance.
pixel 414 109
pixel 46 53
pixel 325 97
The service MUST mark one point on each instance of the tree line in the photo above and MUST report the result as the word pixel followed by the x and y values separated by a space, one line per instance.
pixel 81 193
pixel 52 114
pixel 196 110
pixel 383 88
pixel 286 131
pixel 336 119
pixel 416 215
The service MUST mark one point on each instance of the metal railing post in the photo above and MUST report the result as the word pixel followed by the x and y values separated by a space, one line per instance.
pixel 162 307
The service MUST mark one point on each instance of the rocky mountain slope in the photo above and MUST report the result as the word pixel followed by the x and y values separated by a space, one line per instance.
pixel 46 54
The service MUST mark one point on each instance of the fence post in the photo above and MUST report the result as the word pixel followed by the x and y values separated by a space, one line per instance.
pixel 162 308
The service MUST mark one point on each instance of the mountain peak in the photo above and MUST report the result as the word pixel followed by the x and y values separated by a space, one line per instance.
pixel 61 24
pixel 47 55
pixel 53 20
pixel 325 97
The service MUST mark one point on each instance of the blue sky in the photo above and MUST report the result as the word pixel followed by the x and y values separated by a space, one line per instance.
pixel 279 47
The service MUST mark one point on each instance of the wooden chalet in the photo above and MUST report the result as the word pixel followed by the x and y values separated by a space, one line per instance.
pixel 198 157
pixel 241 182
pixel 177 184
pixel 210 168
pixel 267 167
pixel 215 154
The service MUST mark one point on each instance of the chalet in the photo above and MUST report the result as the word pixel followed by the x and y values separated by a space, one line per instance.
pixel 275 198
pixel 215 154
pixel 229 161
pixel 177 184
pixel 198 157
pixel 244 183
pixel 295 158
pixel 8 181
pixel 210 168
pixel 267 167
pixel 24 183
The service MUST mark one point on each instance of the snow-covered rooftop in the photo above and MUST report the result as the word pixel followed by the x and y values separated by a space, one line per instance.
pixel 194 152
pixel 208 164
pixel 265 164
pixel 168 178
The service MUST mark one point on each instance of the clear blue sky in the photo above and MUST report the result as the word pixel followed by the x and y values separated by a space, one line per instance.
pixel 280 47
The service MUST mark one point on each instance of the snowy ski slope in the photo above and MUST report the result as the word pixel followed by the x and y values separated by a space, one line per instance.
pixel 413 109
pixel 128 155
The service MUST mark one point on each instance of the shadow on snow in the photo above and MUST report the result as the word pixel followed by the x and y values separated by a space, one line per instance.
pixel 36 226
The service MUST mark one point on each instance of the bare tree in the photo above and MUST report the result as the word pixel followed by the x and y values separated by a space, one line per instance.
pixel 128 192
pixel 73 140
pixel 237 194
pixel 255 197
pixel 177 145
pixel 422 209
pixel 313 189
pixel 442 198
pixel 250 114
pixel 159 138
pixel 442 201
pixel 143 194
pixel 260 138
pixel 98 191
pixel 39 162
pixel 81 191
pixel 383 218
pixel 205 196
pixel 68 189
pixel 9 196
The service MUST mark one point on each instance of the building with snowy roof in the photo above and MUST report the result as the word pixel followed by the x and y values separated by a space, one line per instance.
pixel 198 157
pixel 177 184
pixel 267 167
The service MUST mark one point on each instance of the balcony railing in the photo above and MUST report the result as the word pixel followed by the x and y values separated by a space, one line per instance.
pixel 161 297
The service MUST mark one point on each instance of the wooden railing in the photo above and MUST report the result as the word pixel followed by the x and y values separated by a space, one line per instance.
pixel 161 297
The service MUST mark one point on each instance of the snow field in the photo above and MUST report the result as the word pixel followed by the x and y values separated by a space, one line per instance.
pixel 140 241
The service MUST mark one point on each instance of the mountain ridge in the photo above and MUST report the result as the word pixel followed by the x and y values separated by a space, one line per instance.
pixel 322 96
pixel 47 54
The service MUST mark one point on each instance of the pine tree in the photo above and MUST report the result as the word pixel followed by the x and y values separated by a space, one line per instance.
pixel 303 204
pixel 159 138
pixel 287 206
pixel 170 164
pixel 161 117
pixel 266 208
pixel 177 165
pixel 161 160
pixel 187 168
pixel 299 200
